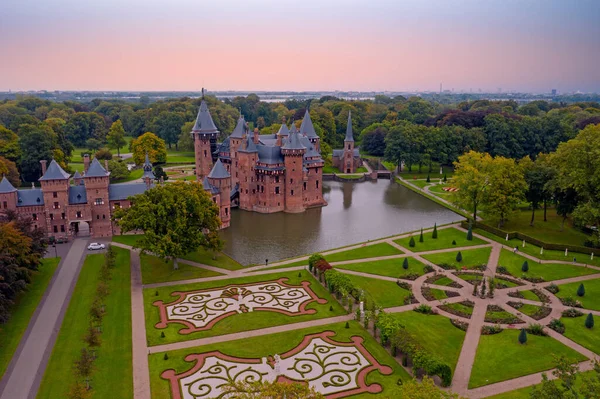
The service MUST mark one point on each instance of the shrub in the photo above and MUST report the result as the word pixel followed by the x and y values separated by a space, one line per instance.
pixel 569 301
pixel 403 284
pixel 421 236
pixel 553 288
pixel 445 178
pixel 572 312
pixel 166 357
pixel 412 243
pixel 522 336
pixel 103 154
pixel 503 270
pixel 536 329
pixel 156 293
pixel 447 266
pixel 347 325
pixel 405 264
pixel 470 233
pixel 533 279
pixel 300 274
pixel 525 267
pixel 162 334
pixel 331 308
pixel 459 257
pixel 557 326
pixel 322 265
pixel 491 330
pixel 589 321
pixel 434 234
pixel 425 309
pixel 461 325
pixel 581 290
pixel 428 269
pixel 411 276
pixel 428 178
pixel 313 259
pixel 453 242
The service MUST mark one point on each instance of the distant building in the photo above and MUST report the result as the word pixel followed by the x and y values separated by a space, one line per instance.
pixel 553 92
pixel 347 160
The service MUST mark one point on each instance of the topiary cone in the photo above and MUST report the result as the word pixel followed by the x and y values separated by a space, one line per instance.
pixel 459 257
pixel 525 267
pixel 589 321
pixel 581 290
pixel 523 336
pixel 405 264
pixel 434 235
pixel 421 236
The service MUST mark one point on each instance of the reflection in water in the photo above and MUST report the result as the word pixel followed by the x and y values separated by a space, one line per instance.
pixel 356 212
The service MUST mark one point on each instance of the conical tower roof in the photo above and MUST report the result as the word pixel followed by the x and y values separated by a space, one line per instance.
pixel 219 171
pixel 54 172
pixel 204 123
pixel 76 175
pixel 293 143
pixel 349 135
pixel 240 128
pixel 6 187
pixel 96 170
pixel 250 146
pixel 293 128
pixel 283 130
pixel 306 128
pixel 148 169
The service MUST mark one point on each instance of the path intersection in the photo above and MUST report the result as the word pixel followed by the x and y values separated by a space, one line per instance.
pixel 199 317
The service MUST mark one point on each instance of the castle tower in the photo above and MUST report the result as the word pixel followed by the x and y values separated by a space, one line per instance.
pixel 348 165
pixel 96 181
pixel 307 129
pixel 283 133
pixel 247 156
pixel 55 188
pixel 8 196
pixel 293 153
pixel 235 144
pixel 204 133
pixel 221 179
pixel 148 176
pixel 77 178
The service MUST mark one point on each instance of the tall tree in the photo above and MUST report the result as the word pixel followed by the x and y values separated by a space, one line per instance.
pixel 116 136
pixel 167 126
pixel 176 219
pixel 151 144
pixel 471 178
pixel 36 144
pixel 506 188
pixel 9 144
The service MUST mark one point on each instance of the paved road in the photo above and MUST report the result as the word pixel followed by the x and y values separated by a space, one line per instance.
pixel 27 367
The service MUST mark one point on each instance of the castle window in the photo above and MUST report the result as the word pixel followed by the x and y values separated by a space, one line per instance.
pixel 291 181
pixel 276 179
pixel 63 216
pixel 253 191
pixel 56 229
pixel 62 228
pixel 78 215
pixel 51 216
pixel 292 192
pixel 305 185
pixel 5 204
pixel 246 191
pixel 317 182
pixel 56 206
pixel 262 189
pixel 236 174
pixel 35 226
pixel 348 146
pixel 34 216
pixel 277 190
pixel 103 216
pixel 117 205
pixel 99 201
pixel 204 153
pixel 55 195
pixel 97 217
pixel 226 211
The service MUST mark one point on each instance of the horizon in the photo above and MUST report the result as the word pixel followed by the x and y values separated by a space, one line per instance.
pixel 407 46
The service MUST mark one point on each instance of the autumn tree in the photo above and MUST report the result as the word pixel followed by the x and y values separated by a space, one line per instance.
pixel 176 219
pixel 151 144
pixel 9 169
pixel 471 178
pixel 9 144
pixel 506 188
pixel 116 136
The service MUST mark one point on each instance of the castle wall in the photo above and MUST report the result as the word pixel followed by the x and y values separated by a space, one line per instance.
pixel 293 183
pixel 56 202
pixel 203 156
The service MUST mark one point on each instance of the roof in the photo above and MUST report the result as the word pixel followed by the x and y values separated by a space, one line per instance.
pixel 283 130
pixel 204 122
pixel 293 129
pixel 125 190
pixel 293 143
pixel 269 155
pixel 340 153
pixel 6 187
pixel 148 174
pixel 77 195
pixel 225 146
pixel 30 197
pixel 96 170
pixel 250 146
pixel 307 128
pixel 54 172
pixel 349 135
pixel 77 175
pixel 209 187
pixel 218 171
pixel 240 128
pixel 268 141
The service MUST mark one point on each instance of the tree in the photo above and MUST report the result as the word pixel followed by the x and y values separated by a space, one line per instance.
pixel 506 189
pixel 405 264
pixel 118 169
pixel 412 243
pixel 151 144
pixel 93 144
pixel 9 169
pixel 525 267
pixel 566 202
pixel 186 142
pixel 83 126
pixel 435 233
pixel 581 290
pixel 79 390
pixel 116 136
pixel 459 257
pixel 589 321
pixel 421 236
pixel 159 172
pixel 84 365
pixel 523 336
pixel 267 389
pixel 567 372
pixel 426 389
pixel 470 232
pixel 472 180
pixel 167 126
pixel 36 145
pixel 176 220
pixel 9 144
pixel 103 154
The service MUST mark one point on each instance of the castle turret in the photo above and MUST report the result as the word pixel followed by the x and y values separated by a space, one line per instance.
pixel 236 139
pixel 348 159
pixel 148 176
pixel 307 129
pixel 247 156
pixel 221 179
pixel 204 133
pixel 8 196
pixel 96 181
pixel 293 153
pixel 55 189
pixel 283 133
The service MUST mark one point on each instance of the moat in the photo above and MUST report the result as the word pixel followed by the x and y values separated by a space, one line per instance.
pixel 356 212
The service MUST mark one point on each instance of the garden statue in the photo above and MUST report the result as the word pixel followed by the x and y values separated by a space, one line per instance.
pixel 523 243
pixel 541 250
pixel 441 171
pixel 362 309
pixel 277 364
pixel 566 251
pixel 506 236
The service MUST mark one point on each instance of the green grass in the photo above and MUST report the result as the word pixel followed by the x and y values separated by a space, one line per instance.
pixel 499 316
pixel 461 308
pixel 591 299
pixel 156 270
pixel 389 165
pixel 364 252
pixel 239 322
pixel 470 258
pixel 470 277
pixel 180 157
pixel 529 295
pixel 22 310
pixel 548 271
pixel 434 333
pixel 437 189
pixel 433 198
pixel 201 256
pixel 529 310
pixel 443 281
pixel 434 174
pixel 509 284
pixel 419 183
pixel 384 293
pixel 524 393
pixel 438 294
pixel 258 347
pixel 333 169
pixel 576 330
pixel 134 175
pixel 501 357
pixel 114 373
pixel 388 267
pixel 444 240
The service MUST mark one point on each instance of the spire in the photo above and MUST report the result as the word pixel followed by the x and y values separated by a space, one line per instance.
pixel 204 123
pixel 55 172
pixel 147 165
pixel 293 142
pixel 6 187
pixel 349 135
pixel 218 171
pixel 148 174
pixel 96 169
pixel 306 128
pixel 293 128
pixel 283 130
pixel 240 128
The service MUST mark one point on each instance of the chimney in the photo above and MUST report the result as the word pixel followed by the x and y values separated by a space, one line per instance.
pixel 106 164
pixel 255 135
pixel 86 162
pixel 43 162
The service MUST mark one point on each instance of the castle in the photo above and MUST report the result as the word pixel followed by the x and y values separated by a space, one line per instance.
pixel 347 160
pixel 260 173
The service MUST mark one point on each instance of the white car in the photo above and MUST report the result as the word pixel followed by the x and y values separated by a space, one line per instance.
pixel 95 245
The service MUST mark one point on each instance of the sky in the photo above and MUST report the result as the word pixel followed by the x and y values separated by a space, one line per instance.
pixel 379 45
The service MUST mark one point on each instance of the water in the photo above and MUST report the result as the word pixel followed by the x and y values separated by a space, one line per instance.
pixel 355 212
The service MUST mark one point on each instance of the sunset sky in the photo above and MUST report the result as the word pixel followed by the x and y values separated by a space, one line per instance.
pixel 526 45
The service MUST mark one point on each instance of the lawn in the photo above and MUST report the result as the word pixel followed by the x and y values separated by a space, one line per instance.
pixel 548 271
pixel 23 309
pixel 364 252
pixel 530 295
pixel 460 307
pixel 591 299
pixel 239 322
pixel 437 189
pixel 156 270
pixel 500 317
pixel 388 267
pixel 419 183
pixel 470 258
pixel 508 284
pixel 134 175
pixel 438 294
pixel 384 293
pixel 333 169
pixel 444 240
pixel 470 277
pixel 576 330
pixel 258 347
pixel 434 174
pixel 515 360
pixel 443 280
pixel 113 376
pixel 524 393
pixel 435 333
pixel 180 157
pixel 201 256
